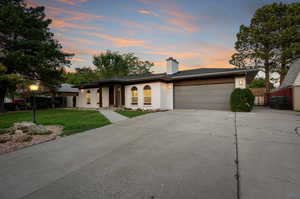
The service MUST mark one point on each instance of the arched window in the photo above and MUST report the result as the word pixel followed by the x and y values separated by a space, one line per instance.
pixel 134 95
pixel 88 97
pixel 147 95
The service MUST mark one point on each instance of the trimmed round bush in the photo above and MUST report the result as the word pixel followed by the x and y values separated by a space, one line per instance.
pixel 241 100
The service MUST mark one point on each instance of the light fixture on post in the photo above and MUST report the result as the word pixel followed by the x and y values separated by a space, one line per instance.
pixel 33 88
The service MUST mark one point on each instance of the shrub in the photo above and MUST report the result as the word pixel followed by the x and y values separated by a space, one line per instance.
pixel 241 100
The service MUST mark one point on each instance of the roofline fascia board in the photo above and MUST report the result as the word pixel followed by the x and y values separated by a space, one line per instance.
pixel 213 74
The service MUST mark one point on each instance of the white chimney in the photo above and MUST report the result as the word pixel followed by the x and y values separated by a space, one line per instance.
pixel 172 65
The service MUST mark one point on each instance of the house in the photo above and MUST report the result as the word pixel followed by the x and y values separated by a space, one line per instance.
pixel 64 96
pixel 290 87
pixel 205 88
pixel 69 94
pixel 260 95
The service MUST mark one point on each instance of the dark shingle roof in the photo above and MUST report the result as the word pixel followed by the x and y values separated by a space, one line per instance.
pixel 67 88
pixel 186 74
pixel 204 71
pixel 137 77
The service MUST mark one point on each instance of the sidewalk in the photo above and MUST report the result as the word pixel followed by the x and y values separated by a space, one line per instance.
pixel 112 115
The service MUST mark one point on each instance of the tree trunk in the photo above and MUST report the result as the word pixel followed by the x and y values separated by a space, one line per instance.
pixel 267 82
pixel 2 98
pixel 53 100
pixel 282 72
pixel 267 79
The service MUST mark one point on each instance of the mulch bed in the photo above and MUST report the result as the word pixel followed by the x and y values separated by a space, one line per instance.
pixel 13 145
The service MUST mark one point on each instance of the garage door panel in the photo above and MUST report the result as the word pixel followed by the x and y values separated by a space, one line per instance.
pixel 215 96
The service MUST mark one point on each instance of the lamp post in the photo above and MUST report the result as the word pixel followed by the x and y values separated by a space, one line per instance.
pixel 34 88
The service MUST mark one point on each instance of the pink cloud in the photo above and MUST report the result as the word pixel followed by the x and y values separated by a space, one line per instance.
pixel 74 48
pixel 209 55
pixel 72 2
pixel 55 12
pixel 31 3
pixel 159 63
pixel 173 15
pixel 147 12
pixel 136 27
pixel 180 55
pixel 71 39
pixel 218 59
pixel 69 15
pixel 61 24
pixel 184 24
pixel 181 19
pixel 63 18
pixel 77 59
pixel 118 41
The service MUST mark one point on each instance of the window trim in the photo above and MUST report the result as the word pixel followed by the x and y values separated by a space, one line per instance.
pixel 147 87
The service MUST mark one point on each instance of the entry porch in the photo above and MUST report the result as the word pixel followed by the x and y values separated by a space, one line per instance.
pixel 104 96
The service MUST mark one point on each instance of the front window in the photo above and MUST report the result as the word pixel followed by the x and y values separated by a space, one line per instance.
pixel 134 95
pixel 147 95
pixel 88 97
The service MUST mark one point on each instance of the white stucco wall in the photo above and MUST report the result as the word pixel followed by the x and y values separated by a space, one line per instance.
pixel 82 102
pixel 105 97
pixel 296 93
pixel 240 82
pixel 296 98
pixel 166 90
pixel 159 97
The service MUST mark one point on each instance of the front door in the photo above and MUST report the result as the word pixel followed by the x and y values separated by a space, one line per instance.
pixel 99 92
pixel 74 101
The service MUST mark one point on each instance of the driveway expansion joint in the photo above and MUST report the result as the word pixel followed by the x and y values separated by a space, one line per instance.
pixel 236 161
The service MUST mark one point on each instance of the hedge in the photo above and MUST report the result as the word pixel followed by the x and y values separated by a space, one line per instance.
pixel 241 100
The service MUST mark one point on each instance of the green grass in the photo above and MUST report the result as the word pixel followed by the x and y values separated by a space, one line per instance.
pixel 131 114
pixel 74 121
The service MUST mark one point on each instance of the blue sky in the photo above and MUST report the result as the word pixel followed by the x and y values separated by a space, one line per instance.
pixel 198 33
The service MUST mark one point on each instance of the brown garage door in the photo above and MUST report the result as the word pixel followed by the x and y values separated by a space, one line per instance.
pixel 213 96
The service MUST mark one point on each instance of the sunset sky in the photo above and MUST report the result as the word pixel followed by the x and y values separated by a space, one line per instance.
pixel 198 33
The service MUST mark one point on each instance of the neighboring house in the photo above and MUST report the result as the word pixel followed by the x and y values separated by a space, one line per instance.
pixel 260 95
pixel 290 86
pixel 69 94
pixel 205 88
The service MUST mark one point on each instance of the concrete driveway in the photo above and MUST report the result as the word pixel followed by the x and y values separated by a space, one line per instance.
pixel 167 155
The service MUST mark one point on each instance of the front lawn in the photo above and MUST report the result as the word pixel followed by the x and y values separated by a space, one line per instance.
pixel 130 114
pixel 74 121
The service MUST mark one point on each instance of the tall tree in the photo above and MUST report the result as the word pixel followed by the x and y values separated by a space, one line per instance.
pixel 82 75
pixel 259 83
pixel 113 64
pixel 271 40
pixel 27 46
pixel 287 17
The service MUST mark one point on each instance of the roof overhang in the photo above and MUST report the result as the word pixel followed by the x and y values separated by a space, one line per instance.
pixel 250 74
